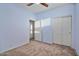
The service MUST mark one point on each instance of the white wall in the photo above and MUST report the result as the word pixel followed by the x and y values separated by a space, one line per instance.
pixel 14 26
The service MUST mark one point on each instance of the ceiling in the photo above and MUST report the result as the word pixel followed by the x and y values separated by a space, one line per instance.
pixel 36 8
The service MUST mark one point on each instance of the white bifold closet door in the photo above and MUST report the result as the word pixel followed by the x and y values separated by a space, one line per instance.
pixel 37 30
pixel 46 30
pixel 61 27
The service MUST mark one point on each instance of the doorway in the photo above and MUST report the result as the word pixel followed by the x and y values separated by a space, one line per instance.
pixel 32 29
pixel 35 30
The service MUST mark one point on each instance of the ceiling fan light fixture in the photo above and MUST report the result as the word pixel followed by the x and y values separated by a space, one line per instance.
pixel 44 4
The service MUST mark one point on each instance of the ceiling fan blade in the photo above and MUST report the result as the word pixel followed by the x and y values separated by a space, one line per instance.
pixel 30 4
pixel 46 5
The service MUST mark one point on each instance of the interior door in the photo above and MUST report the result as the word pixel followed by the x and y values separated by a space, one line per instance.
pixel 37 30
pixel 62 30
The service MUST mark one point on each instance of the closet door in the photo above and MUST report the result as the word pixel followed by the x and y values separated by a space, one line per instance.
pixel 66 27
pixel 37 31
pixel 46 30
pixel 62 30
pixel 57 30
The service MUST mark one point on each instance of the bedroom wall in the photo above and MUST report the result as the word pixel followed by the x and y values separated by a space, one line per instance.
pixel 76 29
pixel 67 10
pixel 14 26
pixel 56 12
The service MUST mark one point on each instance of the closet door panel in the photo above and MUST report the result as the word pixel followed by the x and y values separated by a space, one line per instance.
pixel 62 30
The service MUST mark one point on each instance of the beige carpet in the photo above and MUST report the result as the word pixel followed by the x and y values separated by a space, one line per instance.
pixel 35 48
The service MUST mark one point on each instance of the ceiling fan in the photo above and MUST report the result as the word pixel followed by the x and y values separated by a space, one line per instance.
pixel 44 4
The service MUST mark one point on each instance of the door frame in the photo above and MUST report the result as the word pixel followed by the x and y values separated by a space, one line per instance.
pixel 33 34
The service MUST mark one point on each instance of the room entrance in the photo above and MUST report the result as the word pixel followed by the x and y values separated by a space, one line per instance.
pixel 32 29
